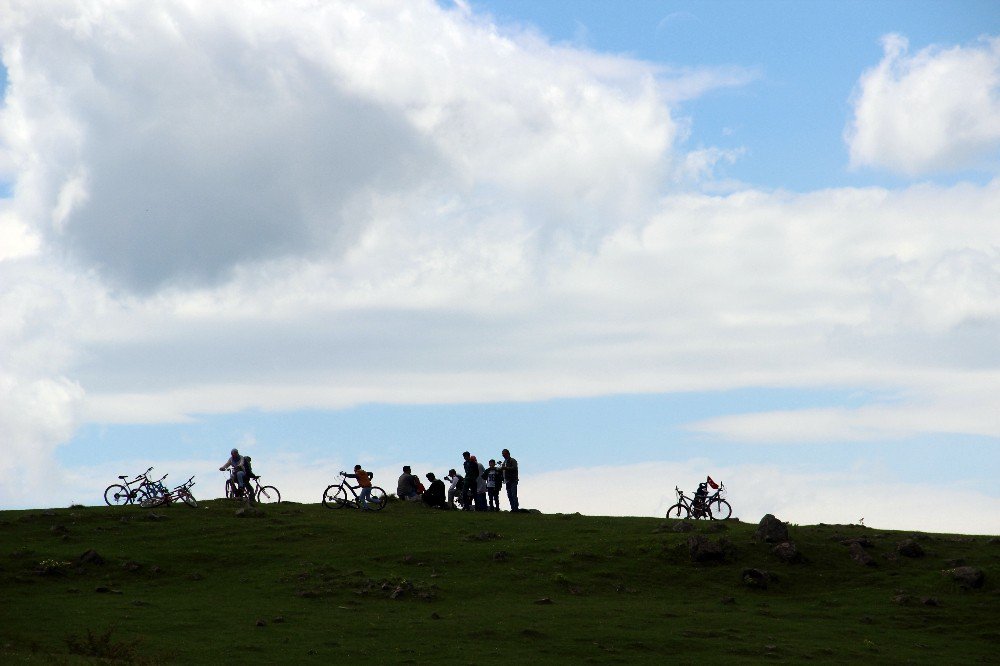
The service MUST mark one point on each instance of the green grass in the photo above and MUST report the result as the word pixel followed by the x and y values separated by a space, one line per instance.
pixel 410 585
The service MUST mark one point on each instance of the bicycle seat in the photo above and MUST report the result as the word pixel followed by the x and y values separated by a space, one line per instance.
pixel 122 477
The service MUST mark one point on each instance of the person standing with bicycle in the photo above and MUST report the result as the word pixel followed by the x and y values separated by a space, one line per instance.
pixel 365 481
pixel 238 471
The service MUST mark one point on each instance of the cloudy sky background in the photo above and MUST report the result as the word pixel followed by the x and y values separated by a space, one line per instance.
pixel 758 241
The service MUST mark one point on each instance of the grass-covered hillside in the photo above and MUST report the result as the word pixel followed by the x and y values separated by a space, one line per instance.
pixel 305 584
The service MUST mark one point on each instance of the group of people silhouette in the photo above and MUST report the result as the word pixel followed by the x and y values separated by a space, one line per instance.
pixel 477 490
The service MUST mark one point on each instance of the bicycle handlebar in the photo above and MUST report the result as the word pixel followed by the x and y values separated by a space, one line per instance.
pixel 186 484
pixel 371 475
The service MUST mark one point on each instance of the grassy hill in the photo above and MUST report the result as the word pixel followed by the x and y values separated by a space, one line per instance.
pixel 305 584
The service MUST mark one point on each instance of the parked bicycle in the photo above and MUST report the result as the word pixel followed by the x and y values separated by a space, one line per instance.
pixel 336 496
pixel 136 490
pixel 262 494
pixel 687 507
pixel 155 489
pixel 181 493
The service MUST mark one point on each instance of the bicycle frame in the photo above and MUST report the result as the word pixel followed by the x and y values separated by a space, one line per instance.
pixel 262 493
pixel 335 496
pixel 353 489
pixel 141 479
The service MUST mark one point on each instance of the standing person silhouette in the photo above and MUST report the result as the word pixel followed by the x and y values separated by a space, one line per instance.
pixel 480 485
pixel 471 468
pixel 494 480
pixel 509 467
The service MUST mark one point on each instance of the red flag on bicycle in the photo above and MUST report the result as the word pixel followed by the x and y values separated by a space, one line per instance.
pixel 714 485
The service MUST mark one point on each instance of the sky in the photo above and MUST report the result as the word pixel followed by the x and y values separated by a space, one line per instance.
pixel 637 244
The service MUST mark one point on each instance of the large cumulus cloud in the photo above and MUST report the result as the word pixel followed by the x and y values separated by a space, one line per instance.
pixel 174 141
pixel 931 111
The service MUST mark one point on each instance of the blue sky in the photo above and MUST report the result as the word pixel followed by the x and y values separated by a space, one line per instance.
pixel 562 433
pixel 635 244
pixel 807 55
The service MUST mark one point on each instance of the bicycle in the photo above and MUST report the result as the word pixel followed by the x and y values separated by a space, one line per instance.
pixel 335 496
pixel 154 489
pixel 687 507
pixel 121 494
pixel 263 494
pixel 181 493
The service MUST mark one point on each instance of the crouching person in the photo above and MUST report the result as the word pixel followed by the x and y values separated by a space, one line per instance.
pixel 434 495
pixel 408 487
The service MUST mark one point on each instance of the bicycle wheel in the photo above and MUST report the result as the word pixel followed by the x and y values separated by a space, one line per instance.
pixel 678 511
pixel 335 497
pixel 230 489
pixel 268 495
pixel 189 499
pixel 151 502
pixel 116 495
pixel 720 509
pixel 376 502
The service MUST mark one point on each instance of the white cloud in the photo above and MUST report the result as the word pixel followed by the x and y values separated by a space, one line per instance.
pixel 963 407
pixel 35 417
pixel 16 238
pixel 935 110
pixel 177 142
pixel 894 291
pixel 39 403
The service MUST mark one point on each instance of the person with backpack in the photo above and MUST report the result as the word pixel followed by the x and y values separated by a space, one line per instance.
pixel 239 471
pixel 494 481
pixel 408 487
